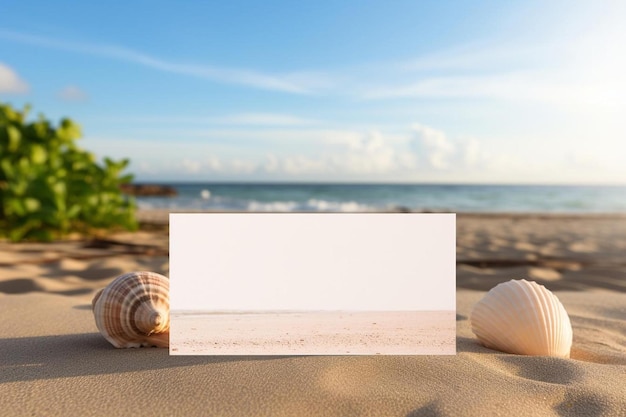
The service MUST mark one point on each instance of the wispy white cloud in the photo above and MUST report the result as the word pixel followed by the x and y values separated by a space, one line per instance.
pixel 298 83
pixel 473 155
pixel 420 153
pixel 458 155
pixel 263 119
pixel 273 135
pixel 495 55
pixel 306 150
pixel 260 119
pixel 563 67
pixel 544 87
pixel 369 153
pixel 190 166
pixel 72 93
pixel 10 82
pixel 319 153
pixel 438 147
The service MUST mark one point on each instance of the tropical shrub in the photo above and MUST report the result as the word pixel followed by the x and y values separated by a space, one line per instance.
pixel 49 187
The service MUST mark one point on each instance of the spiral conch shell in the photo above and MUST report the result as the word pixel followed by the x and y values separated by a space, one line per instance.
pixel 524 318
pixel 134 310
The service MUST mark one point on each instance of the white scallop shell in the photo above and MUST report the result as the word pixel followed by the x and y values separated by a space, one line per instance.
pixel 524 318
pixel 134 310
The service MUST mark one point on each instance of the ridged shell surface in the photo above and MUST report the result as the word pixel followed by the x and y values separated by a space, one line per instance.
pixel 524 318
pixel 134 310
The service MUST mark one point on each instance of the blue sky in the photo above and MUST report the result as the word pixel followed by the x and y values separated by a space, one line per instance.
pixel 402 91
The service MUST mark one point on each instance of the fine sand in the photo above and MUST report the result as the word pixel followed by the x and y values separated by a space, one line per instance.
pixel 54 362
pixel 313 333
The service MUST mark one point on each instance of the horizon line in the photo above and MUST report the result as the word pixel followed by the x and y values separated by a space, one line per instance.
pixel 427 183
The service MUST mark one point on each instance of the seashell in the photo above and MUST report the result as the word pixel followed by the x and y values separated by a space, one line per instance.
pixel 524 318
pixel 134 310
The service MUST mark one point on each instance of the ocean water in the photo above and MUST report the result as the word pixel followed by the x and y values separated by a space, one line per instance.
pixel 385 197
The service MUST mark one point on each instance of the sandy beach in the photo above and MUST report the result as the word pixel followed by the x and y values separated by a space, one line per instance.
pixel 54 362
pixel 314 333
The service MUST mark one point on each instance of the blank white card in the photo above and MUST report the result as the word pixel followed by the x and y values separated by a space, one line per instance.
pixel 306 261
pixel 312 283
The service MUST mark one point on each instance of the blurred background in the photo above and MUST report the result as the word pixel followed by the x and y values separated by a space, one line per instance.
pixel 337 106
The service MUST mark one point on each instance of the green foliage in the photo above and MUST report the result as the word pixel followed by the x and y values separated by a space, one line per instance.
pixel 49 187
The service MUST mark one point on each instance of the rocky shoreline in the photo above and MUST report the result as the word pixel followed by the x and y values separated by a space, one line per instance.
pixel 148 190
